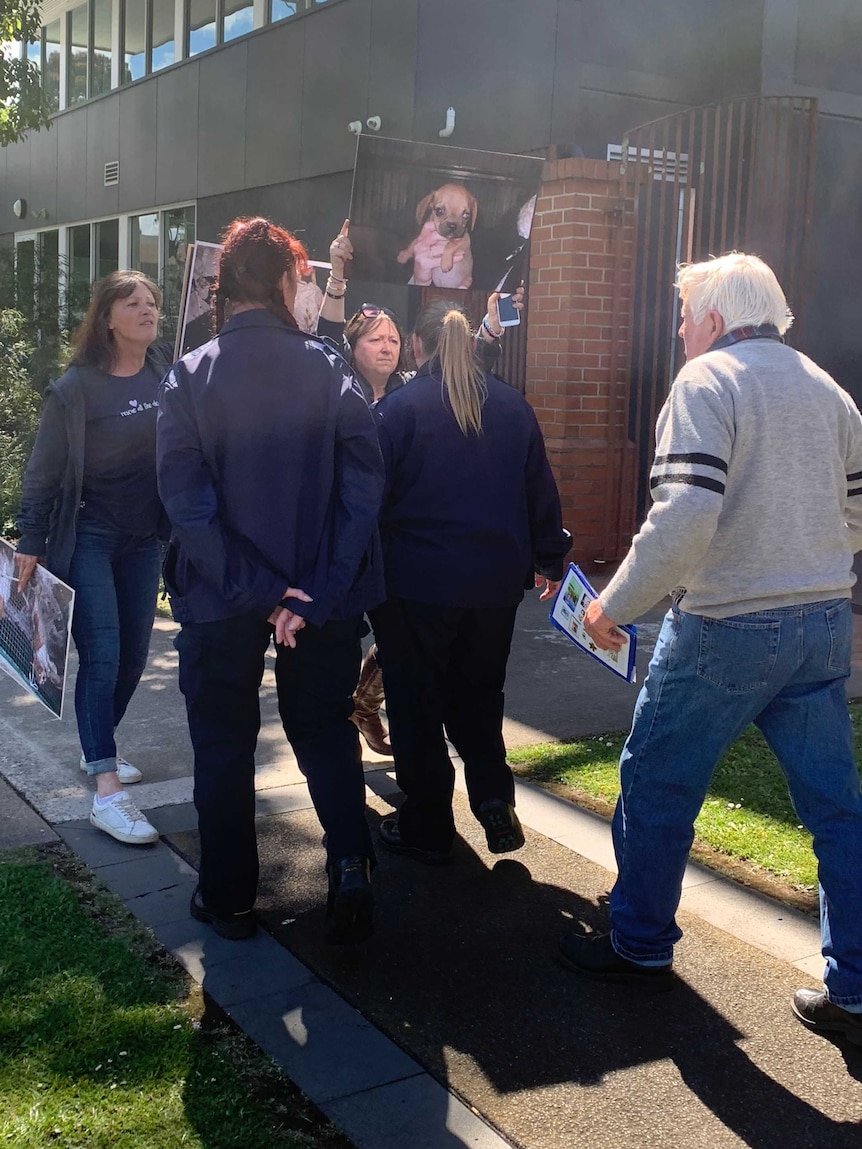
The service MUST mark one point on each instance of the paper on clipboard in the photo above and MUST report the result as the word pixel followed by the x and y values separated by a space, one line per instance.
pixel 567 614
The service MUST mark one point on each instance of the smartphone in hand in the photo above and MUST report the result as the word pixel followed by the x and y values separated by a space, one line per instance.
pixel 508 313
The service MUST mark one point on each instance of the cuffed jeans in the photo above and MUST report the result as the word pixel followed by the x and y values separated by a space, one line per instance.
pixel 444 666
pixel 784 670
pixel 116 580
pixel 221 669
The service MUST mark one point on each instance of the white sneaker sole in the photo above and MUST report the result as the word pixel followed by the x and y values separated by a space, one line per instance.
pixel 127 774
pixel 145 839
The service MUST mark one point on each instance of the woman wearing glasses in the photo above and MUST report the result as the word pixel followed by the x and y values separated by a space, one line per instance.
pixel 375 345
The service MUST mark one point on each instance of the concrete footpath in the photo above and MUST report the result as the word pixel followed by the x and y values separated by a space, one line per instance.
pixel 454 1026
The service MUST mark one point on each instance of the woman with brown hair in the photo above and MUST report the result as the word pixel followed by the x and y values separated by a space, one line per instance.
pixel 271 475
pixel 470 518
pixel 90 511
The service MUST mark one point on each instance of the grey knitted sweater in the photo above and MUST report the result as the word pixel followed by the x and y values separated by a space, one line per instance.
pixel 756 485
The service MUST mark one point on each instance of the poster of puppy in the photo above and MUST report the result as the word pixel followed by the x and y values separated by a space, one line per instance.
pixel 431 215
pixel 35 626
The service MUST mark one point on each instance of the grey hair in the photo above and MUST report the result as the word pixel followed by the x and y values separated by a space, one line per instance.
pixel 741 288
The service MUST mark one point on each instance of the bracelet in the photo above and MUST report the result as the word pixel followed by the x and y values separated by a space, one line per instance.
pixel 340 295
pixel 487 326
pixel 336 278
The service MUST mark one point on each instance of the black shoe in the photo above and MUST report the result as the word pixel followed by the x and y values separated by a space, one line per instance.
pixel 596 958
pixel 502 827
pixel 234 927
pixel 814 1009
pixel 350 905
pixel 390 840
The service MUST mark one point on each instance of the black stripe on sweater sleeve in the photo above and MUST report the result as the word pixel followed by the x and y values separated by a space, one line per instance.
pixel 854 491
pixel 702 460
pixel 689 481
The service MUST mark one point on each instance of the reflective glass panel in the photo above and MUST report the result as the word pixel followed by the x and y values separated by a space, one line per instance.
pixel 51 64
pixel 281 9
pixel 145 244
pixel 134 41
pixel 178 232
pixel 76 63
pixel 107 247
pixel 100 78
pixel 163 34
pixel 202 25
pixel 78 276
pixel 238 18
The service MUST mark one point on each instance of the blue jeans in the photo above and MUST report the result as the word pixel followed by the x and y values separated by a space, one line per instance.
pixel 116 580
pixel 709 678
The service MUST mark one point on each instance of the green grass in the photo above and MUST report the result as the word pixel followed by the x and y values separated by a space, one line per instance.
pixel 106 1043
pixel 747 815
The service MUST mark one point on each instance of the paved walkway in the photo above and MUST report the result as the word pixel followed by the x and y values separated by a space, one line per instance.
pixel 454 1026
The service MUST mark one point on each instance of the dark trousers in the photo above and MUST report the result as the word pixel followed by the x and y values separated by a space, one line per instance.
pixel 444 667
pixel 221 668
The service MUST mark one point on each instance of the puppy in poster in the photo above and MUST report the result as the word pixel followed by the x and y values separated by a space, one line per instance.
pixel 441 251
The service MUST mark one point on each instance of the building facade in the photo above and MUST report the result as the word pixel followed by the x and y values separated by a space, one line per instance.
pixel 174 116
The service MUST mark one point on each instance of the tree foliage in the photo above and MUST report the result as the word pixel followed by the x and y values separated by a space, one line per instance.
pixel 19 413
pixel 23 104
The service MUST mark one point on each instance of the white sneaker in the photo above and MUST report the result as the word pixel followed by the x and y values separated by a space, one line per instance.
pixel 127 774
pixel 122 819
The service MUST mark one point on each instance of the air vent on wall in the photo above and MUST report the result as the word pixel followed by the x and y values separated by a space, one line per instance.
pixel 665 165
pixel 112 173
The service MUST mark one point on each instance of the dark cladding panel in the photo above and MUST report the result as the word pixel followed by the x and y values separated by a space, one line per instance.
pixel 177 138
pixel 16 184
pixel 221 119
pixel 831 328
pixel 103 146
pixel 391 83
pixel 71 132
pixel 493 61
pixel 566 117
pixel 829 46
pixel 604 120
pixel 138 145
pixel 43 173
pixel 335 85
pixel 273 129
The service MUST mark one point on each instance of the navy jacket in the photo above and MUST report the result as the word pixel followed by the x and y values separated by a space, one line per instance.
pixel 466 520
pixel 51 491
pixel 271 476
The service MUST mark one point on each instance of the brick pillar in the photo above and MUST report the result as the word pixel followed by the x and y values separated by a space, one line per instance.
pixel 578 348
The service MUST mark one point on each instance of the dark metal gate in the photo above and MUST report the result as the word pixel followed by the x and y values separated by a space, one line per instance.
pixel 734 176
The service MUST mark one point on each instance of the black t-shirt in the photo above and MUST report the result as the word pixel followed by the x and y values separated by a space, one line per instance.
pixel 119 488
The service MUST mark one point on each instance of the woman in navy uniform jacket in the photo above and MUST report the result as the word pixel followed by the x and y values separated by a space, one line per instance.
pixel 471 516
pixel 271 475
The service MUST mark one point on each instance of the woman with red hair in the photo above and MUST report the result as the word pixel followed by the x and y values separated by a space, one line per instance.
pixel 272 478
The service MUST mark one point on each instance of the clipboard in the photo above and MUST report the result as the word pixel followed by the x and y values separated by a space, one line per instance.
pixel 567 613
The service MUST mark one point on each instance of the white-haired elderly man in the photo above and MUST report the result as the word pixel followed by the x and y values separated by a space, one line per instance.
pixel 757 512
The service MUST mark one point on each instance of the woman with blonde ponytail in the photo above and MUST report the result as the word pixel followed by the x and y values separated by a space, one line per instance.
pixel 470 518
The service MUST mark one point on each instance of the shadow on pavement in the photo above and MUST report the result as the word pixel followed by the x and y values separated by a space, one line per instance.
pixel 461 973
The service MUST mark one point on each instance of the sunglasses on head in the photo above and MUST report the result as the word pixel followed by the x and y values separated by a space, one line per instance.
pixel 371 310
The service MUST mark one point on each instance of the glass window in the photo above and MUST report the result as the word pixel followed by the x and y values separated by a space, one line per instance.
pixel 134 41
pixel 76 64
pixel 102 29
pixel 163 34
pixel 34 53
pixel 238 18
pixel 107 235
pixel 25 275
pixel 51 64
pixel 78 276
pixel 281 9
pixel 48 281
pixel 145 244
pixel 178 232
pixel 202 25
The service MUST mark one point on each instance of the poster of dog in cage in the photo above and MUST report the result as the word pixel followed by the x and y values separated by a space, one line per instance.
pixel 433 215
pixel 35 625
